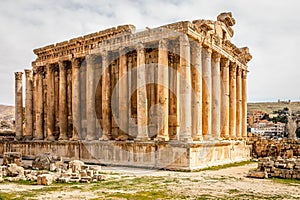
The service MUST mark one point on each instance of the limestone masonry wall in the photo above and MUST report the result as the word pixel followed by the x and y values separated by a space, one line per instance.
pixel 277 167
pixel 262 147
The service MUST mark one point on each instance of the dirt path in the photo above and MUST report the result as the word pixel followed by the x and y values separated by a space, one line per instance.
pixel 229 183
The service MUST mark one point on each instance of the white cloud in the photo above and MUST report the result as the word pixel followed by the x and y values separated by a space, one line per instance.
pixel 270 29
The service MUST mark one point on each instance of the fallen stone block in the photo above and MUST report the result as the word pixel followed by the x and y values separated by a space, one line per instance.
pixel 44 179
pixel 257 174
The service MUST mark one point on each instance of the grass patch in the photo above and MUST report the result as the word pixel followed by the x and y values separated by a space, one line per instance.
pixel 286 181
pixel 233 191
pixel 236 164
pixel 7 196
pixel 144 195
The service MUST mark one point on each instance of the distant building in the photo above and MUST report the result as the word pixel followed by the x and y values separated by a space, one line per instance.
pixel 267 128
pixel 255 117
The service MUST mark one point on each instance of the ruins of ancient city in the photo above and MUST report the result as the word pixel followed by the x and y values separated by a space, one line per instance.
pixel 173 97
pixel 154 98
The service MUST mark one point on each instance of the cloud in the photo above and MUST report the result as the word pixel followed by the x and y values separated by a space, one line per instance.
pixel 270 29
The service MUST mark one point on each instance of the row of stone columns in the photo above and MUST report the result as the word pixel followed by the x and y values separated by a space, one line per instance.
pixel 212 95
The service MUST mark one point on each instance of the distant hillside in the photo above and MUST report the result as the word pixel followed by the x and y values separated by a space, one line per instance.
pixel 269 107
pixel 7 112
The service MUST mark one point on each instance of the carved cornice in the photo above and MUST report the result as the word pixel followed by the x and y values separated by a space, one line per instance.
pixel 201 31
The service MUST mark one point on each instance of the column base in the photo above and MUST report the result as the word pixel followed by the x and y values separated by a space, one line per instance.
pixel 18 138
pixel 63 138
pixel 186 139
pixel 75 139
pixel 51 138
pixel 122 137
pixel 198 138
pixel 161 138
pixel 142 139
pixel 104 138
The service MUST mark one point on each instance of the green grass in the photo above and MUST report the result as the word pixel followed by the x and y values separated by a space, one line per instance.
pixel 236 164
pixel 286 181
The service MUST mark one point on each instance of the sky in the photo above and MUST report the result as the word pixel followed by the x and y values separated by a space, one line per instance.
pixel 271 29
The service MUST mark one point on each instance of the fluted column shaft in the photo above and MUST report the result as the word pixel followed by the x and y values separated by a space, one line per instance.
pixel 232 101
pixel 63 107
pixel 39 133
pixel 207 92
pixel 106 109
pixel 50 104
pixel 196 71
pixel 239 103
pixel 90 97
pixel 244 104
pixel 123 93
pixel 29 105
pixel 216 95
pixel 185 90
pixel 19 105
pixel 163 89
pixel 76 99
pixel 142 107
pixel 225 98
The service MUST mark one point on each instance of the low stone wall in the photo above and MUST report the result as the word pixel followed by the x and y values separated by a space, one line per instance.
pixel 173 155
pixel 277 167
pixel 262 147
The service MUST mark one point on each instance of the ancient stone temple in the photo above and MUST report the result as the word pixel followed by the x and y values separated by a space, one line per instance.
pixel 169 97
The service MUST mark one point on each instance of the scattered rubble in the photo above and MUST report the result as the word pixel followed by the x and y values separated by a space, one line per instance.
pixel 47 168
pixel 277 167
pixel 12 157
pixel 263 147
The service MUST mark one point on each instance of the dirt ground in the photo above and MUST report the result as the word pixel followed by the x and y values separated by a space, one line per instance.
pixel 135 183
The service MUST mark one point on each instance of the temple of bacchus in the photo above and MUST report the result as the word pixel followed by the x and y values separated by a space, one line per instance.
pixel 172 97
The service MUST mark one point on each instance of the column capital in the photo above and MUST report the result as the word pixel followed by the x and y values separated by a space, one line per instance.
pixel 239 71
pixel 184 39
pixel 140 47
pixel 76 62
pixel 62 65
pixel 216 56
pixel 18 75
pixel 208 50
pixel 244 74
pixel 28 73
pixel 225 62
pixel 92 58
pixel 232 69
pixel 163 44
pixel 123 50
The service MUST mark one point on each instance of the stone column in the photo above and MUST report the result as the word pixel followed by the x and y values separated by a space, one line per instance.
pixel 29 105
pixel 123 95
pixel 185 90
pixel 76 99
pixel 216 95
pixel 207 93
pixel 39 134
pixel 90 97
pixel 106 109
pixel 19 105
pixel 196 71
pixel 163 89
pixel 232 101
pixel 142 107
pixel 50 104
pixel 225 98
pixel 63 107
pixel 244 104
pixel 239 103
